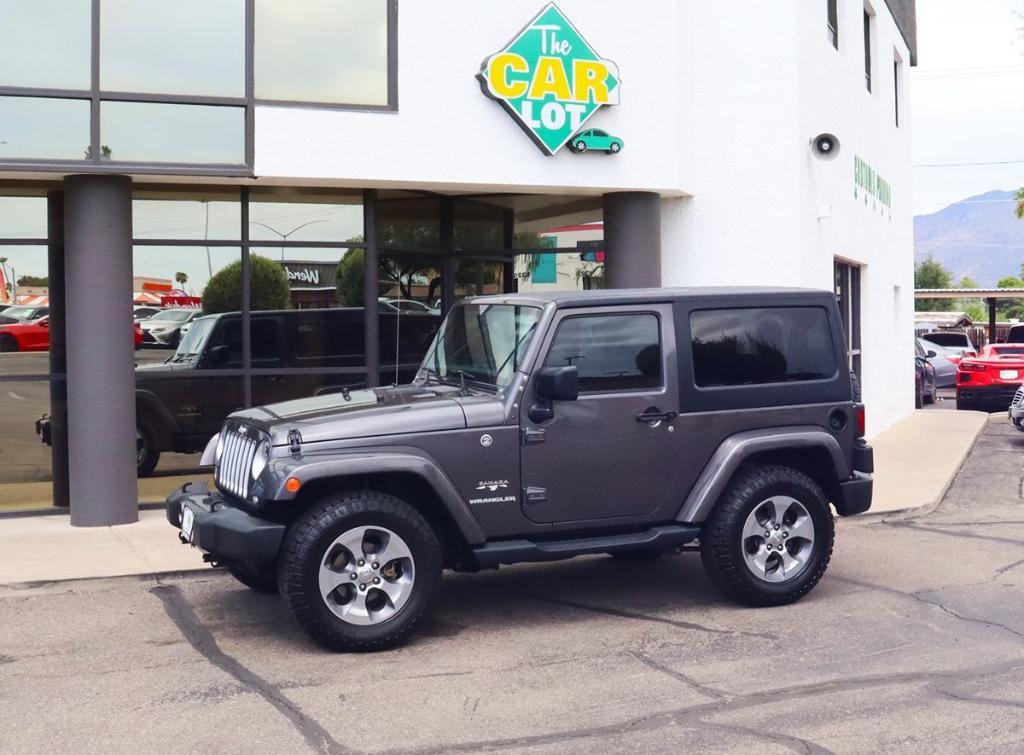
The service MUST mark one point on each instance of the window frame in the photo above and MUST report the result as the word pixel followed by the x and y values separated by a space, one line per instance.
pixel 662 385
pixel 832 21
pixel 869 44
pixel 96 96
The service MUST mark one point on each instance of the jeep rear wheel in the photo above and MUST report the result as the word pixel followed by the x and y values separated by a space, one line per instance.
pixel 769 539
pixel 359 570
pixel 147 455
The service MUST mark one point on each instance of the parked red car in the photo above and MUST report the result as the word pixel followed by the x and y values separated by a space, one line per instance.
pixel 988 381
pixel 35 336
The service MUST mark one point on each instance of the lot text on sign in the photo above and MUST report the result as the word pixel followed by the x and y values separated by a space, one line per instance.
pixel 550 79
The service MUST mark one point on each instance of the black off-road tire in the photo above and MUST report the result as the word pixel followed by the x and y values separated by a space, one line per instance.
pixel 722 542
pixel 919 398
pixel 8 344
pixel 145 465
pixel 259 580
pixel 931 396
pixel 305 546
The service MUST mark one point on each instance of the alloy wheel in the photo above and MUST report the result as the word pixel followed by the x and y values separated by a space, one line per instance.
pixel 778 539
pixel 367 575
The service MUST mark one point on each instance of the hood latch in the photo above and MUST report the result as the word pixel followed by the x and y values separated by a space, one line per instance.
pixel 295 442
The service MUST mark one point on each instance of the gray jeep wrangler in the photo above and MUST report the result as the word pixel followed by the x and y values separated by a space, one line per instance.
pixel 541 427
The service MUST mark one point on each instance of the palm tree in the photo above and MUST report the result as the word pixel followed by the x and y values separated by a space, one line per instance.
pixel 1019 209
pixel 181 279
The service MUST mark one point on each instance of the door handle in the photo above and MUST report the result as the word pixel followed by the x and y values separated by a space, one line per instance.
pixel 653 415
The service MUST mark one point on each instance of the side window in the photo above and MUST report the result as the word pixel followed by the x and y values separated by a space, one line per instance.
pixel 755 346
pixel 230 335
pixel 266 348
pixel 612 352
pixel 321 342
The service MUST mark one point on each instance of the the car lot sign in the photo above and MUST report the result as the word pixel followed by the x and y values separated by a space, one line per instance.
pixel 550 79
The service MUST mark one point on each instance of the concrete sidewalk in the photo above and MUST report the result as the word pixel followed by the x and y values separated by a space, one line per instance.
pixel 915 460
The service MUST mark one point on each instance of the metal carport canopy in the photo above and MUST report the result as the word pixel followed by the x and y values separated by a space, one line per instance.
pixel 990 295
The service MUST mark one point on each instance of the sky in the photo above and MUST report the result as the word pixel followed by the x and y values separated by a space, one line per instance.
pixel 967 97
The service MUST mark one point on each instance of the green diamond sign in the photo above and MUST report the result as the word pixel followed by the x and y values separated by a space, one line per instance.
pixel 550 79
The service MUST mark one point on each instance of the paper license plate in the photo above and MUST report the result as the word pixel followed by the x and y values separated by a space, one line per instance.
pixel 188 520
pixel 1007 374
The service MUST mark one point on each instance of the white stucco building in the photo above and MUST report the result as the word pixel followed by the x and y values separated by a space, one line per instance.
pixel 306 129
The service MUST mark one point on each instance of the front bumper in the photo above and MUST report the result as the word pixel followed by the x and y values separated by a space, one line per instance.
pixel 995 397
pixel 227 533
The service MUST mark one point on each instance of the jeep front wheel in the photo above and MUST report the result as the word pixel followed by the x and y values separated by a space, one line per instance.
pixel 359 570
pixel 769 539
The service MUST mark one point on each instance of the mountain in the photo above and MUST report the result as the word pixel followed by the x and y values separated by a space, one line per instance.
pixel 978 236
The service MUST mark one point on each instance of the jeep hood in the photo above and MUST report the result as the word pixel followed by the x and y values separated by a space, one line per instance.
pixel 360 414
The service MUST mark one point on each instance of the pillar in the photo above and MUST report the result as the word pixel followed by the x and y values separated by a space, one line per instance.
pixel 100 350
pixel 632 239
pixel 371 289
pixel 58 348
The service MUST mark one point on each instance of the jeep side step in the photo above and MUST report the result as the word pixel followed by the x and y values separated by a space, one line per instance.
pixel 665 537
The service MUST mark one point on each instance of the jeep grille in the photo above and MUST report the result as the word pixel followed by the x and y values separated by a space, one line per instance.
pixel 1018 397
pixel 232 472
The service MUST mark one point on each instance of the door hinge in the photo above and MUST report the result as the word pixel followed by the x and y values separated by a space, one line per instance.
pixel 535 495
pixel 530 437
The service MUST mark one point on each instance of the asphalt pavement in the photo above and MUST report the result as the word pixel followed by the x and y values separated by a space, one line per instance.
pixel 912 642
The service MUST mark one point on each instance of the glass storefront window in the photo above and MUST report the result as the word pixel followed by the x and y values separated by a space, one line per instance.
pixel 24 312
pixel 46 44
pixel 331 51
pixel 22 218
pixel 193 215
pixel 26 468
pixel 44 128
pixel 408 221
pixel 192 47
pixel 288 215
pixel 159 132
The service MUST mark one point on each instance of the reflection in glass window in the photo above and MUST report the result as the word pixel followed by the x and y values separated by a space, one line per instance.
pixel 186 216
pixel 26 464
pixel 761 345
pixel 611 352
pixel 333 51
pixel 194 47
pixel 158 132
pixel 184 271
pixel 22 218
pixel 48 129
pixel 302 216
pixel 46 43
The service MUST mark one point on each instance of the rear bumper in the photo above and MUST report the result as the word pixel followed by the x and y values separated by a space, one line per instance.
pixel 997 397
pixel 227 533
pixel 855 495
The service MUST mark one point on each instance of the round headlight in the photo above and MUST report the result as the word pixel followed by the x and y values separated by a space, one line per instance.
pixel 259 461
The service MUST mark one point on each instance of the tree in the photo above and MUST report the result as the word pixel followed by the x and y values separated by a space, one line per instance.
pixel 1019 209
pixel 269 287
pixel 931 274
pixel 181 279
pixel 37 281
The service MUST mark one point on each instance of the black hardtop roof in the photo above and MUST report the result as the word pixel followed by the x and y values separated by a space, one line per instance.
pixel 567 299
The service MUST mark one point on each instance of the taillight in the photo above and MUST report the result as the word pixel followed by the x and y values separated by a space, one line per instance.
pixel 861 421
pixel 971 367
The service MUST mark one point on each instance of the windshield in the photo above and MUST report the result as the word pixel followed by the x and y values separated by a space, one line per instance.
pixel 193 342
pixel 482 342
pixel 175 315
pixel 23 313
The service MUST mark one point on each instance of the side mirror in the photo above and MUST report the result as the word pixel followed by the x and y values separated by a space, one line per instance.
pixel 44 323
pixel 218 356
pixel 554 384
pixel 931 354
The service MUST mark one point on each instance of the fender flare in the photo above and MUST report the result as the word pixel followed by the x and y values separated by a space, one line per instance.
pixel 376 463
pixel 736 449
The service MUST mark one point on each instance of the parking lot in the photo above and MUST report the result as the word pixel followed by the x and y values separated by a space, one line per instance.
pixel 912 642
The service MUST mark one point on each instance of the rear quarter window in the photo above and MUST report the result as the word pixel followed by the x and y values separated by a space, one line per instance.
pixel 761 346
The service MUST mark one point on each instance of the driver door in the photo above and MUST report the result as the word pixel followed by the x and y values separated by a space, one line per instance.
pixel 604 455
